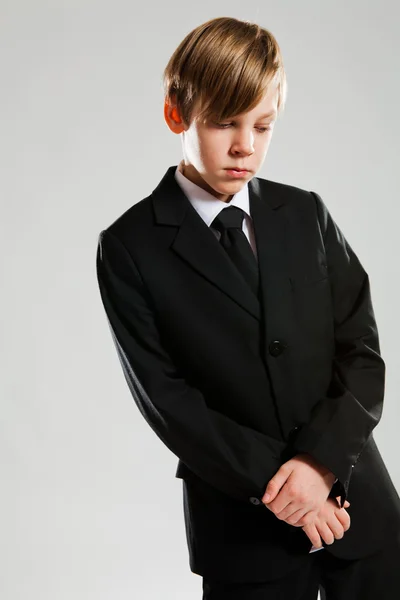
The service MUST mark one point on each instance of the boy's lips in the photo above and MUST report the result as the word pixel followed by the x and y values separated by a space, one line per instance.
pixel 235 169
pixel 235 173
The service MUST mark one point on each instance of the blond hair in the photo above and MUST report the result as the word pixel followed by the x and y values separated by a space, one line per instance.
pixel 223 68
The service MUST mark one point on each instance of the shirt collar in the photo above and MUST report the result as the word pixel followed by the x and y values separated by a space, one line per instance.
pixel 207 205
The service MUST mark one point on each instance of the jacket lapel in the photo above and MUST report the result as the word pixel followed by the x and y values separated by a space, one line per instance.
pixel 196 244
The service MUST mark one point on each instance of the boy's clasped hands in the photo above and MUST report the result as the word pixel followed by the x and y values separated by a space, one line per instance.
pixel 298 494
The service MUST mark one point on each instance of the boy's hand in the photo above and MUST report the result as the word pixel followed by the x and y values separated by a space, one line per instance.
pixel 330 523
pixel 298 490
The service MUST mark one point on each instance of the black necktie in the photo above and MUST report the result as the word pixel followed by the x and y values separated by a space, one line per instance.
pixel 234 241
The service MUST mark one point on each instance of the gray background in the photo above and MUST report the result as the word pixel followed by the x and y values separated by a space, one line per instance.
pixel 89 502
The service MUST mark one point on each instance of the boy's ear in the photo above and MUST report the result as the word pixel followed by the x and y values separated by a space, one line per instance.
pixel 172 118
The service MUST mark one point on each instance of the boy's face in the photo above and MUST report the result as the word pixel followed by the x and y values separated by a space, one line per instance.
pixel 210 149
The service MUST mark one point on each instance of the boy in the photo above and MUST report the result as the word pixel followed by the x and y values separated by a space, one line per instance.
pixel 245 329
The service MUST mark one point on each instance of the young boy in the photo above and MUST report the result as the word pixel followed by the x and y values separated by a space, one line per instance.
pixel 245 329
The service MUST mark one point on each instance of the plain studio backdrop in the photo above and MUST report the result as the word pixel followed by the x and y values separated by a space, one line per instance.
pixel 89 501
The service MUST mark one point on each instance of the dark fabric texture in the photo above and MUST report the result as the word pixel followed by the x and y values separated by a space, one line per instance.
pixel 299 584
pixel 375 577
pixel 235 243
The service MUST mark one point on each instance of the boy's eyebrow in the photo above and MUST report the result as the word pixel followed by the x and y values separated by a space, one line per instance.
pixel 272 113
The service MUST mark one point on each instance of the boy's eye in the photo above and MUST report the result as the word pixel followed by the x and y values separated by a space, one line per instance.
pixel 225 125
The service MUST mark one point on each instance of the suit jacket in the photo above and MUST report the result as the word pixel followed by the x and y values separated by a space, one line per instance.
pixel 234 386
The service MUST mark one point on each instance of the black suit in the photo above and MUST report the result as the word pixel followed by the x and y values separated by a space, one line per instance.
pixel 234 387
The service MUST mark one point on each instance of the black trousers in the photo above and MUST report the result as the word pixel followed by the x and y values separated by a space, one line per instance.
pixel 376 577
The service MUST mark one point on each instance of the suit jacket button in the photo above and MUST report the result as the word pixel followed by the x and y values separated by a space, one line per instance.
pixel 276 348
pixel 255 501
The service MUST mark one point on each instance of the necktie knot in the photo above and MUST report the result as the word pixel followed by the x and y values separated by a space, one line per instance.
pixel 229 218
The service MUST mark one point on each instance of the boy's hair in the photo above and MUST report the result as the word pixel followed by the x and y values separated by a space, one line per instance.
pixel 223 68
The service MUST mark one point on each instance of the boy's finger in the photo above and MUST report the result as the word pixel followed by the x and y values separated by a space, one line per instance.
pixel 313 535
pixel 274 485
pixel 346 502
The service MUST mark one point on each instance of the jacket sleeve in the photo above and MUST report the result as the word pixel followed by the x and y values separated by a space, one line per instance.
pixel 232 457
pixel 343 420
